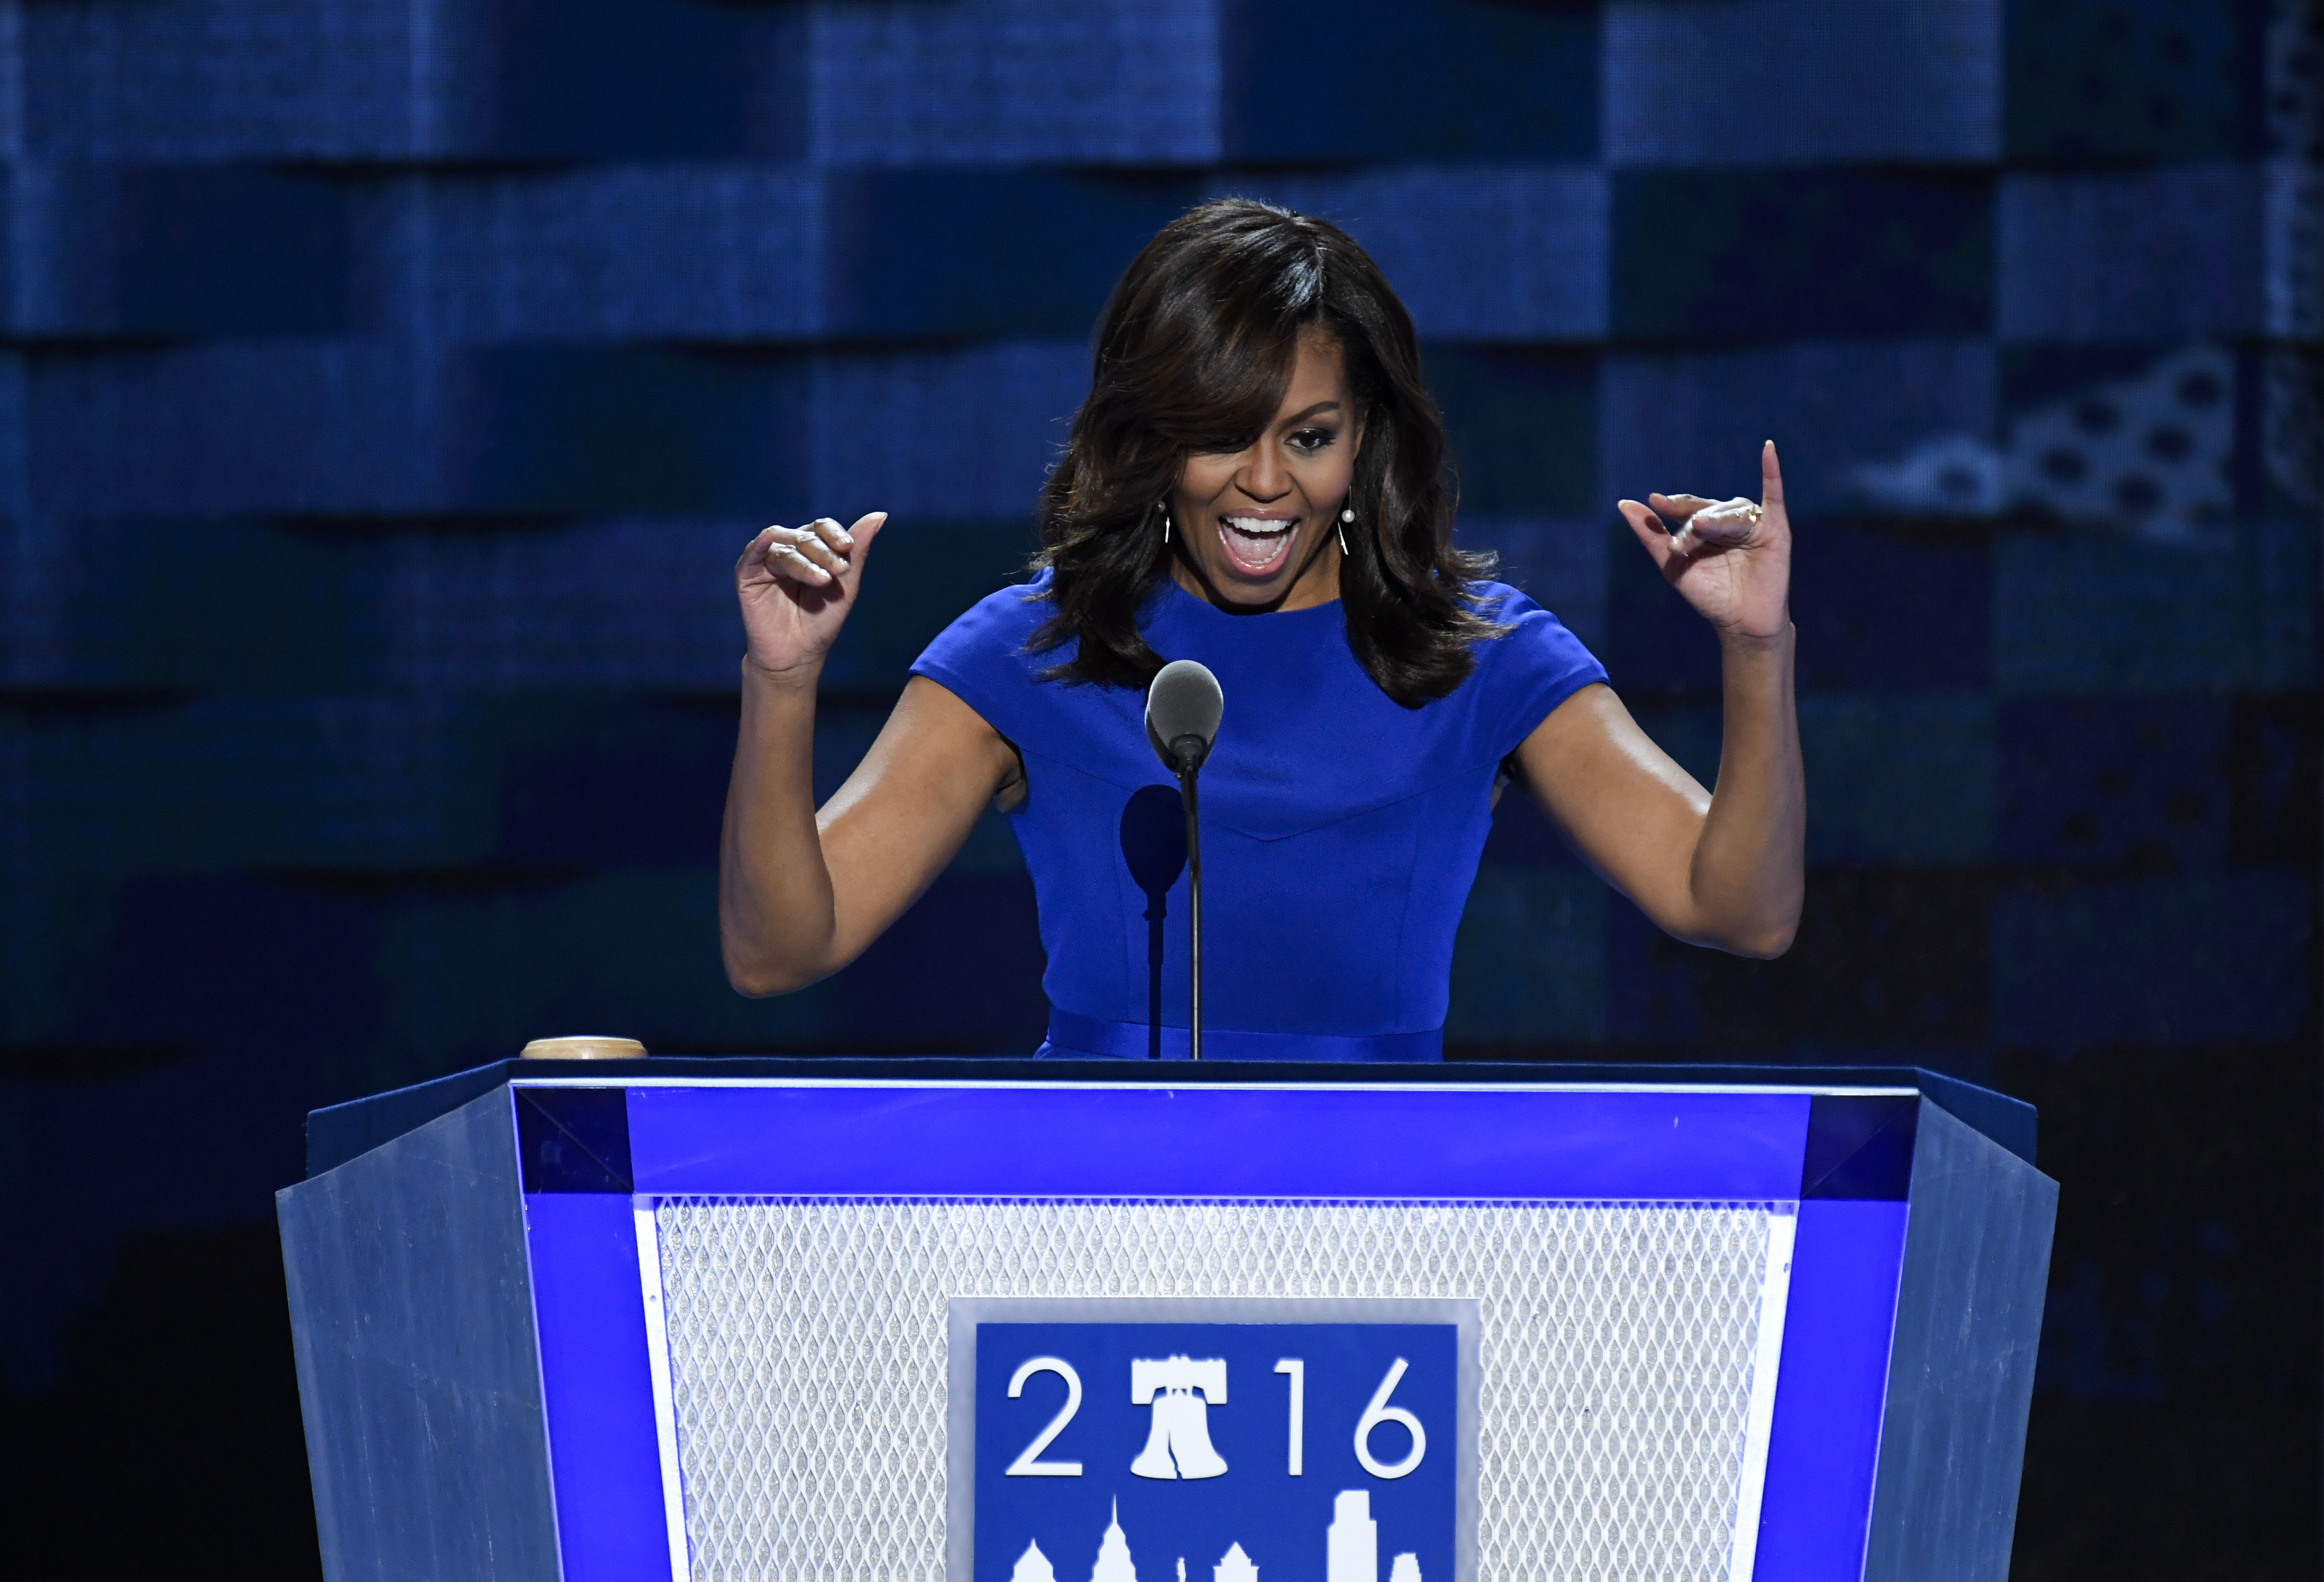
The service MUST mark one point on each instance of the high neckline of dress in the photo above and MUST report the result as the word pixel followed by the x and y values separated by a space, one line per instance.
pixel 1208 609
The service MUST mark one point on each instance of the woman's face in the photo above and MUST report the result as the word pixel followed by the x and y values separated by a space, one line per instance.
pixel 1256 529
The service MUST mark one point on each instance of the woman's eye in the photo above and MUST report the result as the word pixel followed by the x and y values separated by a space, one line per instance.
pixel 1307 441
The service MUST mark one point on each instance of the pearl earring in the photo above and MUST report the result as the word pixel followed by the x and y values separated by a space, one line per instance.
pixel 1165 521
pixel 1345 516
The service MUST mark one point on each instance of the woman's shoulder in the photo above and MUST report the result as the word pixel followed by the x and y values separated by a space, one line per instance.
pixel 999 625
pixel 985 659
pixel 1534 665
pixel 1532 626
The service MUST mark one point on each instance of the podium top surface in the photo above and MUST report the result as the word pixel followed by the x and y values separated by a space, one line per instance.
pixel 340 1133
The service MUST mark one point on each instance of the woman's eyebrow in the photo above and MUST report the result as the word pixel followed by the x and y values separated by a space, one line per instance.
pixel 1306 413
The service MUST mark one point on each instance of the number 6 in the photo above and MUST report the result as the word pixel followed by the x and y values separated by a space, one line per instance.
pixel 1378 1412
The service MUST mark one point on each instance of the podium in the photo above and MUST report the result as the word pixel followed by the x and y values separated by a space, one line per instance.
pixel 677 1318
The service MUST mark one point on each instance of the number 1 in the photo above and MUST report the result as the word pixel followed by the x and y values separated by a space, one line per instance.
pixel 1298 1369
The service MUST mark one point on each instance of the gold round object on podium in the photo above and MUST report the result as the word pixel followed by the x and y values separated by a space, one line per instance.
pixel 584 1049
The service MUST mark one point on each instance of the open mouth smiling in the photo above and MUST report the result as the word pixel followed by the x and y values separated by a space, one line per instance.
pixel 1256 544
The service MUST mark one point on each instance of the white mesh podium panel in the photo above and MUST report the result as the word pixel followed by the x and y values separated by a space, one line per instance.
pixel 806 1346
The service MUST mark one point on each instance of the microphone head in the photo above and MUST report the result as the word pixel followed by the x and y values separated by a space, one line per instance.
pixel 1183 707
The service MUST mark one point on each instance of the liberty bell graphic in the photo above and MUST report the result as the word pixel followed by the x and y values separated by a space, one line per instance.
pixel 1180 1444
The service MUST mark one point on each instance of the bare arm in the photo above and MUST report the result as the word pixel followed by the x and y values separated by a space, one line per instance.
pixel 1726 867
pixel 801 895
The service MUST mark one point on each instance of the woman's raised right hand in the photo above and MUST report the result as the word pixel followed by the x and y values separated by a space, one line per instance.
pixel 796 585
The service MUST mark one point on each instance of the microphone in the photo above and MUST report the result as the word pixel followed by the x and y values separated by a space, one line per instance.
pixel 1183 708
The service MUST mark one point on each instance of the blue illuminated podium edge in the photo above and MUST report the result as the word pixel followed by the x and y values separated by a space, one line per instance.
pixel 464 1263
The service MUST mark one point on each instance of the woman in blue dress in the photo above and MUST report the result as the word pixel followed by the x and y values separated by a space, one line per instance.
pixel 1257 481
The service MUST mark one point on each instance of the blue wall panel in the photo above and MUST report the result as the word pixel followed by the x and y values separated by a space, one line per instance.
pixel 1689 82
pixel 939 433
pixel 386 390
pixel 2195 958
pixel 636 78
pixel 1523 425
pixel 287 426
pixel 1397 79
pixel 2170 254
pixel 697 252
pixel 225 250
pixel 984 254
pixel 1901 608
pixel 1920 774
pixel 1835 407
pixel 2096 615
pixel 1500 253
pixel 195 79
pixel 1009 82
pixel 2103 80
pixel 2115 784
pixel 1781 255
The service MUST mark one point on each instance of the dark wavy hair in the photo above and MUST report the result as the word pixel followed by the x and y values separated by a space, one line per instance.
pixel 1193 354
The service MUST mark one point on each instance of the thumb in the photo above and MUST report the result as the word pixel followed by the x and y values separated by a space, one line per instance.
pixel 865 528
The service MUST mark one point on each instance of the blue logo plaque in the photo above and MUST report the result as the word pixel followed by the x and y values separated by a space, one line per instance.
pixel 1211 1439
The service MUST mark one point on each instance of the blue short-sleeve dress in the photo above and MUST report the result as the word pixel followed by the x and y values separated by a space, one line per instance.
pixel 1340 831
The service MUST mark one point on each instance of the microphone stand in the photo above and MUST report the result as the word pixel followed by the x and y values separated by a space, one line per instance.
pixel 1187 764
pixel 1183 706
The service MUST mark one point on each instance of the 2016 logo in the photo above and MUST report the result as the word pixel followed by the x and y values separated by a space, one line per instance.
pixel 1333 1449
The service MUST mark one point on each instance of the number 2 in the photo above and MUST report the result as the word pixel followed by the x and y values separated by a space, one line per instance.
pixel 1028 1463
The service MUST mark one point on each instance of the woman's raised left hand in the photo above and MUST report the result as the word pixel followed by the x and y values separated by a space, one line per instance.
pixel 1730 560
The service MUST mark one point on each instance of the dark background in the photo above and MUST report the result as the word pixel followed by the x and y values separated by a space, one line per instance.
pixel 386 388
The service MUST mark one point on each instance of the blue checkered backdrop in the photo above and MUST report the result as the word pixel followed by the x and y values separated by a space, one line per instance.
pixel 387 387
